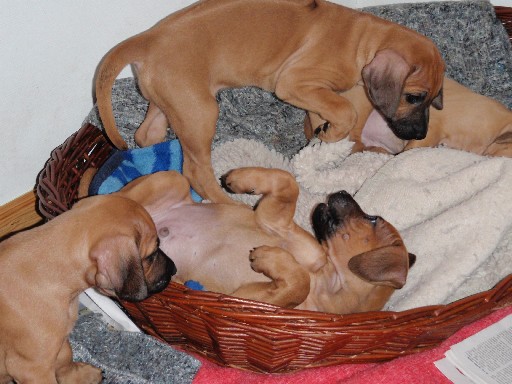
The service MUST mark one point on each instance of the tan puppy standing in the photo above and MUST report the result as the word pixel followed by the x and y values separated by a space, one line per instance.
pixel 107 242
pixel 261 254
pixel 283 46
pixel 469 121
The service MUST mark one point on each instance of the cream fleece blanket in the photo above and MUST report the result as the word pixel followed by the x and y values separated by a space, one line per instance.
pixel 452 208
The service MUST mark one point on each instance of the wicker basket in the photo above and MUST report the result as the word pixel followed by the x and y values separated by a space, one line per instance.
pixel 257 336
pixel 505 16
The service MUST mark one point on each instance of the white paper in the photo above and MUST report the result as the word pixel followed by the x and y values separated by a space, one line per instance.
pixel 451 372
pixel 110 311
pixel 485 358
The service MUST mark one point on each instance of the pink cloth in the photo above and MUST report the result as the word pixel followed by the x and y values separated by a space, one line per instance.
pixel 418 368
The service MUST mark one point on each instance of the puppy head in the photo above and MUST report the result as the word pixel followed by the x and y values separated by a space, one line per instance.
pixel 127 262
pixel 403 88
pixel 367 246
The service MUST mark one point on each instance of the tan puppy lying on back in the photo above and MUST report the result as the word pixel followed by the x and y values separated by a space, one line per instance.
pixel 468 121
pixel 355 265
pixel 107 242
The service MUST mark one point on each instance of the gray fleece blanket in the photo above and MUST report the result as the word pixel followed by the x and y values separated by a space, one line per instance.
pixel 478 54
pixel 129 357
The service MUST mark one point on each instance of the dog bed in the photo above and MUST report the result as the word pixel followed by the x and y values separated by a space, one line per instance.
pixel 406 190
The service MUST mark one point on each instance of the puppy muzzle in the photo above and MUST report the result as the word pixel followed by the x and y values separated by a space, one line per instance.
pixel 413 127
pixel 327 218
pixel 166 268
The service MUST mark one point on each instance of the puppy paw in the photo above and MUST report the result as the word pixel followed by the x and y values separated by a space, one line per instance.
pixel 80 373
pixel 266 259
pixel 331 133
pixel 259 258
pixel 236 181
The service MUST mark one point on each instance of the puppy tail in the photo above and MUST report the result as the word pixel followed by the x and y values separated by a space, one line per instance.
pixel 109 68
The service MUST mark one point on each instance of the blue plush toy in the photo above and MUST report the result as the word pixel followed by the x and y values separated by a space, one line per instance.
pixel 125 166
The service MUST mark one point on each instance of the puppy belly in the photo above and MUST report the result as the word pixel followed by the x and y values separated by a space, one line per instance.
pixel 212 247
pixel 221 270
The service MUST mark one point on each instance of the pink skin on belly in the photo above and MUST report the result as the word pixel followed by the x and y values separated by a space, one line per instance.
pixel 190 234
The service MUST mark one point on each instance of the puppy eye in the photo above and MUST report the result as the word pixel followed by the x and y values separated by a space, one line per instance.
pixel 372 219
pixel 151 257
pixel 415 98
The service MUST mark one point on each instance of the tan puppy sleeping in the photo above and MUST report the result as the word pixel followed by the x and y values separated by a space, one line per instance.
pixel 468 121
pixel 107 242
pixel 355 265
pixel 283 46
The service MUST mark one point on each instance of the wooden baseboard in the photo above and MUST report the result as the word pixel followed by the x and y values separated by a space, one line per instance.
pixel 19 214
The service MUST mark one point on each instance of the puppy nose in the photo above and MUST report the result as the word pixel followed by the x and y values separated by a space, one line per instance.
pixel 420 128
pixel 170 267
pixel 340 197
pixel 420 135
pixel 343 194
pixel 165 277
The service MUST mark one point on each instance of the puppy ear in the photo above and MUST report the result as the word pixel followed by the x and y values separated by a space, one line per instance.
pixel 412 259
pixel 119 268
pixel 505 138
pixel 437 102
pixel 382 266
pixel 384 78
pixel 502 145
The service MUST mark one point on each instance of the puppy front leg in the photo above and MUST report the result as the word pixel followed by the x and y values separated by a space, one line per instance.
pixel 321 100
pixel 290 282
pixel 279 189
pixel 70 372
pixel 276 209
pixel 195 130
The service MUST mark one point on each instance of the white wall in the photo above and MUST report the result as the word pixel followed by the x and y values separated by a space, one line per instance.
pixel 49 52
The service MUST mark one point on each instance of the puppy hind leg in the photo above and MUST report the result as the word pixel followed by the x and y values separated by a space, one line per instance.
pixel 290 282
pixel 158 191
pixel 153 129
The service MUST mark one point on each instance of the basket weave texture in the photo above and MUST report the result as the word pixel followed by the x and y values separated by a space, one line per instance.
pixel 257 336
pixel 505 16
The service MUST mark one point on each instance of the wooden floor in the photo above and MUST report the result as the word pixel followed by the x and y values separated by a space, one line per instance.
pixel 19 214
